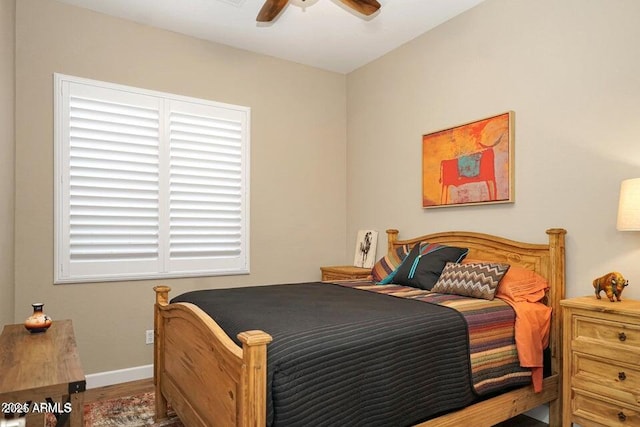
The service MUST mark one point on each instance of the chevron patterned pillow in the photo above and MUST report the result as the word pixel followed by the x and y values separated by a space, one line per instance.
pixel 477 280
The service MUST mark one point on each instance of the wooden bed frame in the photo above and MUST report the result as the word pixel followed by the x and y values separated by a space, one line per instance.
pixel 210 381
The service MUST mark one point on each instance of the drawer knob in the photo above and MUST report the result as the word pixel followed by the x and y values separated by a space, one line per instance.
pixel 622 416
pixel 622 376
pixel 622 336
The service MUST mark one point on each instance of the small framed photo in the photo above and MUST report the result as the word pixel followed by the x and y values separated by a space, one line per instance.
pixel 366 243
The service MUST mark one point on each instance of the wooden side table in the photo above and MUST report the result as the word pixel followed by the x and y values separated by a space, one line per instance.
pixel 43 369
pixel 601 377
pixel 344 272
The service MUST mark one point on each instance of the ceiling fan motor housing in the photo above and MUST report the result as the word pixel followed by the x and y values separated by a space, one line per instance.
pixel 272 8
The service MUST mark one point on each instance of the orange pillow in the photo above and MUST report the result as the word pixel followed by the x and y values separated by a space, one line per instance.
pixel 522 285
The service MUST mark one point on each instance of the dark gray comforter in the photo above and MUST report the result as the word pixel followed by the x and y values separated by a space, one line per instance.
pixel 345 357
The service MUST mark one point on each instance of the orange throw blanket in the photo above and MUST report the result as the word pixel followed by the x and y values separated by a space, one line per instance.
pixel 522 289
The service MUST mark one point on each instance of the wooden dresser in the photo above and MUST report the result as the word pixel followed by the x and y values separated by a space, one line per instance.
pixel 344 272
pixel 601 362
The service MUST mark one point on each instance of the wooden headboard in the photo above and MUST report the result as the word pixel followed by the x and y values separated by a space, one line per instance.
pixel 548 260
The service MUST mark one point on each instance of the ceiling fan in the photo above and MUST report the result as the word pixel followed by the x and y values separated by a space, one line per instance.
pixel 272 8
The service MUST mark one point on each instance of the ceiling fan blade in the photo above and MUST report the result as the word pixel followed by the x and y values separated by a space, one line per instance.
pixel 366 7
pixel 270 10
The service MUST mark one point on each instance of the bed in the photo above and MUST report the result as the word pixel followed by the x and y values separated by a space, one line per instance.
pixel 210 378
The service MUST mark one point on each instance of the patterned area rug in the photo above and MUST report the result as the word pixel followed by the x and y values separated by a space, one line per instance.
pixel 131 411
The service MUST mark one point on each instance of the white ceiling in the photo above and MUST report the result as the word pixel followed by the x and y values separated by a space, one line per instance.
pixel 321 33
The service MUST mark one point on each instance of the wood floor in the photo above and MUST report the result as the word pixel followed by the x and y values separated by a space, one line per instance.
pixel 142 386
pixel 522 421
pixel 118 390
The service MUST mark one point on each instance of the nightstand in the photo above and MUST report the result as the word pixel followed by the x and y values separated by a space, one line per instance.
pixel 344 272
pixel 601 362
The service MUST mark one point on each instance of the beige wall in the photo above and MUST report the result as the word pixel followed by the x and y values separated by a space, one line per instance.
pixel 7 150
pixel 298 165
pixel 569 69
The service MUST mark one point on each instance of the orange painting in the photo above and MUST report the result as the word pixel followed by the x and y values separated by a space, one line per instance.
pixel 469 164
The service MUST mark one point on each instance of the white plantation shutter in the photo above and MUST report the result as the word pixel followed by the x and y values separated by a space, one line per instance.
pixel 113 180
pixel 205 185
pixel 149 184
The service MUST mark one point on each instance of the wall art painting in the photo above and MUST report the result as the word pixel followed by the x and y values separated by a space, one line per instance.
pixel 469 164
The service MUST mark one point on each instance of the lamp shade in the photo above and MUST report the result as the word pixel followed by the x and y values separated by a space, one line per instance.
pixel 629 205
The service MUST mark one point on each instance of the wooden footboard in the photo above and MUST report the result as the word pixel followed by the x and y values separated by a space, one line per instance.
pixel 207 378
pixel 502 407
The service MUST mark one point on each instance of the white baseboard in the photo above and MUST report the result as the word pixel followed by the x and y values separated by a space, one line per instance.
pixel 102 379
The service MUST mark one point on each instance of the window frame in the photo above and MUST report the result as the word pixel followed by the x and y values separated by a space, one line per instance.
pixel 196 267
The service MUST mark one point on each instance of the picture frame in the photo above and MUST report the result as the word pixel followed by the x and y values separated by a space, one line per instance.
pixel 366 245
pixel 469 164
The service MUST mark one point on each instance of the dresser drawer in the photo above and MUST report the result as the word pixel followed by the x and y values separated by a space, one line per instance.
pixel 610 378
pixel 607 331
pixel 327 277
pixel 594 411
pixel 344 272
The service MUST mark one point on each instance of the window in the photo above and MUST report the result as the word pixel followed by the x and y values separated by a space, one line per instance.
pixel 148 184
